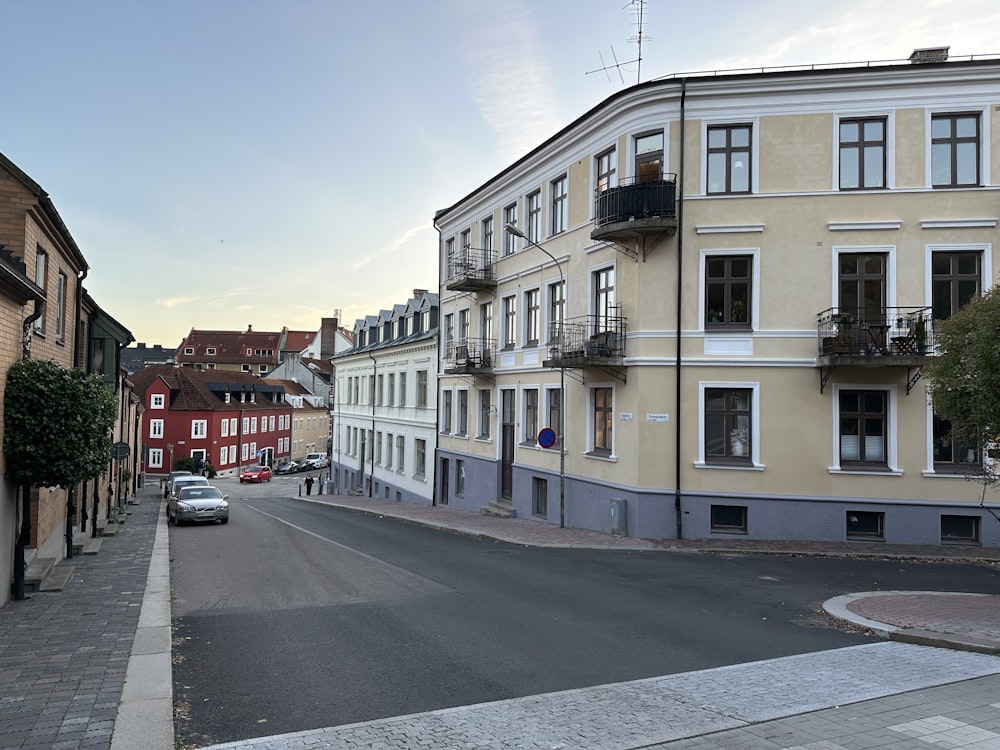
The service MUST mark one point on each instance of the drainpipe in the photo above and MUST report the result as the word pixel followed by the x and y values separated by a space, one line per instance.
pixel 680 309
pixel 371 446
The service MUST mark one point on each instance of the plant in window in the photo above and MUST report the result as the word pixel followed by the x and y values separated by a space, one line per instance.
pixel 738 441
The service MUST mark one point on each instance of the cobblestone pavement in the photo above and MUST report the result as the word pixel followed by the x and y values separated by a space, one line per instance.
pixel 882 695
pixel 64 654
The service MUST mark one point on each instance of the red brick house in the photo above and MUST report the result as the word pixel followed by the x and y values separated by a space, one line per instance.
pixel 249 351
pixel 223 418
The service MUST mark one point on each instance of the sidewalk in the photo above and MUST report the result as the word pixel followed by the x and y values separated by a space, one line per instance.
pixel 89 666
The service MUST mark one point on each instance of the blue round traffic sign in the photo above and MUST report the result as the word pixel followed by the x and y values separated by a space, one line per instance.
pixel 547 437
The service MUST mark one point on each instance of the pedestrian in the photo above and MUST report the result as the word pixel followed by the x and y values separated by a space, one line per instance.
pixel 309 484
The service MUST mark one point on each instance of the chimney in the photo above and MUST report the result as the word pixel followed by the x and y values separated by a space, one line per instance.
pixel 249 328
pixel 328 337
pixel 419 293
pixel 929 55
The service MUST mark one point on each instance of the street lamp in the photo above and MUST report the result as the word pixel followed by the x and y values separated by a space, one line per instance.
pixel 512 228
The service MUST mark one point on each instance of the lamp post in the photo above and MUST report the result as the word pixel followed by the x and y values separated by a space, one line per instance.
pixel 512 228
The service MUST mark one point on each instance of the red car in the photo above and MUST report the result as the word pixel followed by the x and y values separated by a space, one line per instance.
pixel 255 474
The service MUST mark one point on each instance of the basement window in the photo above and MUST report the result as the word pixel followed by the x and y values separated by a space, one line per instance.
pixel 959 529
pixel 865 524
pixel 729 519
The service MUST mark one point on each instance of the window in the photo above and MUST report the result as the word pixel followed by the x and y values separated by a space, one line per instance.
pixel 271 422
pixel 210 351
pixel 606 165
pixel 862 285
pixel 530 416
pixel 245 368
pixel 531 317
pixel 419 457
pixel 509 322
pixel 388 450
pixel 862 153
pixel 603 421
pixel 466 242
pixel 560 200
pixel 246 425
pixel 727 291
pixel 728 425
pixel 649 157
pixel 865 524
pixel 155 458
pixel 445 412
pixel 539 496
pixel 421 388
pixel 728 156
pixel 380 390
pixel 378 448
pixel 554 406
pixel 391 392
pixel 509 240
pixel 486 237
pixel 156 428
pixel 224 428
pixel 156 401
pixel 463 413
pixel 402 389
pixel 199 428
pixel 863 429
pixel 459 478
pixel 729 519
pixel 955 280
pixel 223 455
pixel 41 279
pixel 955 150
pixel 604 299
pixel 371 389
pixel 61 306
pixel 253 425
pixel 557 311
pixel 188 350
pixel 533 206
pixel 486 326
pixel 952 456
pixel 959 529
pixel 262 368
pixel 232 426
pixel 484 413
pixel 463 327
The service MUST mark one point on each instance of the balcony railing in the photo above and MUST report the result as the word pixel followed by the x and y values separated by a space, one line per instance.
pixel 634 209
pixel 470 357
pixel 470 270
pixel 867 333
pixel 589 340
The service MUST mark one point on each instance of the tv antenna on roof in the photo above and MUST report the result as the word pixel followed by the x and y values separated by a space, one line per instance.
pixel 638 8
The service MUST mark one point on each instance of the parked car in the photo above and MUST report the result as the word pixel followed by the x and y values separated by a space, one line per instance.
pixel 197 502
pixel 186 481
pixel 287 467
pixel 316 461
pixel 255 473
pixel 169 483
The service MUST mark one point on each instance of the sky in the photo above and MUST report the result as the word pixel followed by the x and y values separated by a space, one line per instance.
pixel 225 163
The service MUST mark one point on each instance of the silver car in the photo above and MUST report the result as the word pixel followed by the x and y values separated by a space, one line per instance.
pixel 198 503
pixel 187 481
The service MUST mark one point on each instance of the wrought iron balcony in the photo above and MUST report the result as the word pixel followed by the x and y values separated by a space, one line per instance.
pixel 636 209
pixel 471 270
pixel 470 357
pixel 587 341
pixel 874 337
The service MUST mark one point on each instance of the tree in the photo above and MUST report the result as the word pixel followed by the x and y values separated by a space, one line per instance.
pixel 57 432
pixel 964 377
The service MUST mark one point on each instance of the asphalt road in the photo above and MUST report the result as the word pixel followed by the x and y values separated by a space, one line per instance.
pixel 297 616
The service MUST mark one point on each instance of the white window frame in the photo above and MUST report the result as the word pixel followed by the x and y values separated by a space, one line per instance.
pixel 892 432
pixel 155 458
pixel 199 429
pixel 890 147
pixel 984 143
pixel 754 123
pixel 157 401
pixel 755 434
pixel 754 253
pixel 155 429
pixel 591 387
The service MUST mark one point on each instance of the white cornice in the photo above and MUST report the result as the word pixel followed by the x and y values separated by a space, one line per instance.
pixel 730 229
pixel 958 224
pixel 843 226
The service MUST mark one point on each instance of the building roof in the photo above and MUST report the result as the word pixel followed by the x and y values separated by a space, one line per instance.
pixel 136 357
pixel 231 347
pixel 205 390
pixel 297 341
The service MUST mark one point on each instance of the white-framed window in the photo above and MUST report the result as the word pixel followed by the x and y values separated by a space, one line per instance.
pixel 270 421
pixel 156 428
pixel 605 170
pixel 400 453
pixel 232 426
pixel 188 350
pixel 199 428
pixel 600 418
pixel 729 158
pixel 246 425
pixel 462 423
pixel 553 410
pixel 253 425
pixel 509 322
pixel 529 416
pixel 509 240
pixel 223 455
pixel 60 306
pixel 729 292
pixel 156 401
pixel 419 457
pixel 445 411
pixel 210 351
pixel 244 451
pixel 729 425
pixel 559 196
pixel 486 238
pixel 532 317
pixel 864 428
pixel 533 204
pixel 402 389
pixel 956 148
pixel 245 368
pixel 41 279
pixel 155 458
pixel 485 411
pixel 388 450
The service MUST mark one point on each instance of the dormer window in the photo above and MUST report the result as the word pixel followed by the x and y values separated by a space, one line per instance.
pixel 189 350
pixel 210 351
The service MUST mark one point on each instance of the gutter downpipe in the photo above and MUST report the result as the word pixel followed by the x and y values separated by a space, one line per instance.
pixel 680 287
pixel 371 447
